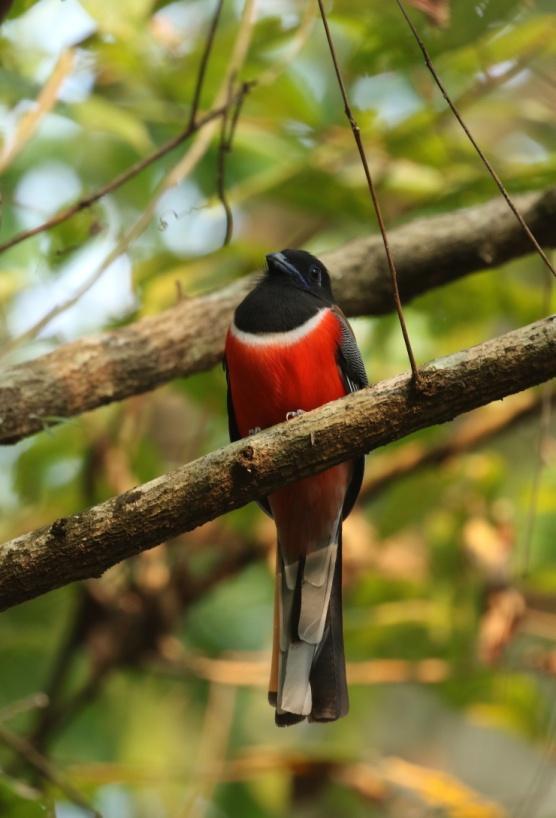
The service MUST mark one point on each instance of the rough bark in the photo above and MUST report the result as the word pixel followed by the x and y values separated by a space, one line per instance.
pixel 86 544
pixel 189 337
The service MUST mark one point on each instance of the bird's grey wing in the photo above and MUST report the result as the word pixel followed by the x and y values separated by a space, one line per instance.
pixel 352 368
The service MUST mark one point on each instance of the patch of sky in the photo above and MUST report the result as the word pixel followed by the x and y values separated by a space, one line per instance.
pixel 312 76
pixel 55 126
pixel 302 131
pixel 501 68
pixel 9 455
pixel 60 472
pixel 109 298
pixel 286 10
pixel 44 189
pixel 79 84
pixel 521 148
pixel 188 224
pixel 67 810
pixel 50 26
pixel 184 21
pixel 389 94
pixel 114 801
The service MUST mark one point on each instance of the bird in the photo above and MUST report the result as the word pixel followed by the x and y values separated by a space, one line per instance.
pixel 289 349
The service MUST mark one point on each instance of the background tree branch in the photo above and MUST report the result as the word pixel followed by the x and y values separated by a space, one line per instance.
pixel 87 543
pixel 189 337
pixel 480 428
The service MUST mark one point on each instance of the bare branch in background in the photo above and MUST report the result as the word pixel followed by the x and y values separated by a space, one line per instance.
pixel 121 624
pixel 173 177
pixel 250 671
pixel 86 544
pixel 117 181
pixel 189 337
pixel 228 127
pixel 485 161
pixel 33 702
pixel 195 124
pixel 46 100
pixel 376 204
pixel 46 769
pixel 480 427
pixel 204 63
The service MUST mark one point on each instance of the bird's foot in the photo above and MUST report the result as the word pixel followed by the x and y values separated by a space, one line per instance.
pixel 294 413
pixel 254 430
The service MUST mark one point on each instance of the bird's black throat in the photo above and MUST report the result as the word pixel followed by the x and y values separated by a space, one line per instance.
pixel 276 306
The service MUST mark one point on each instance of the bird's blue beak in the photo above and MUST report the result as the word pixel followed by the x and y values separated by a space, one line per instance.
pixel 278 263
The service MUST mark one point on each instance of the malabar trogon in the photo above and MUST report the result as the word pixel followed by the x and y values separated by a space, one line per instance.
pixel 290 349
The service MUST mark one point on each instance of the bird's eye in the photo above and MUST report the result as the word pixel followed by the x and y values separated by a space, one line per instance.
pixel 315 275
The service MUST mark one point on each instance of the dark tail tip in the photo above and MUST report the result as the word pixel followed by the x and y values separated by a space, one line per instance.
pixel 328 674
pixel 287 719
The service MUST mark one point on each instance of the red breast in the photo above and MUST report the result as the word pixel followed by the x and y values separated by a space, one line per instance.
pixel 276 373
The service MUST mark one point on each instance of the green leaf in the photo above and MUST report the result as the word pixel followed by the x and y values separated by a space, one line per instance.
pixel 100 115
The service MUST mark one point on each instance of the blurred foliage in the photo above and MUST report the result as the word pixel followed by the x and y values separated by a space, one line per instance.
pixel 153 738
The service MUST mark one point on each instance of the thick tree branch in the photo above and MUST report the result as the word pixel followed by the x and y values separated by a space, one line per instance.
pixel 189 337
pixel 86 544
pixel 480 428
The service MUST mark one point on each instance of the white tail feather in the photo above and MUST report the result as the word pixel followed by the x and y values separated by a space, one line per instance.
pixel 315 593
pixel 295 695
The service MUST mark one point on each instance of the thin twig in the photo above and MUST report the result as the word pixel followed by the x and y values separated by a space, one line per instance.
pixel 47 770
pixel 44 103
pixel 485 161
pixel 204 62
pixel 174 176
pixel 55 711
pixel 117 181
pixel 252 670
pixel 376 204
pixel 212 750
pixel 229 124
pixel 193 126
pixel 35 701
pixel 223 149
pixel 133 232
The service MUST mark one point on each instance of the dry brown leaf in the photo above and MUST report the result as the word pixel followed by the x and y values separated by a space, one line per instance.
pixel 438 11
pixel 506 609
pixel 439 790
pixel 489 546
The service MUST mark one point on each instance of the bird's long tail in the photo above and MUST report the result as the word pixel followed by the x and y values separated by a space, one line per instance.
pixel 308 675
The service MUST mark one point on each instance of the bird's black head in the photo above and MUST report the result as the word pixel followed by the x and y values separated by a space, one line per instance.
pixel 302 270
